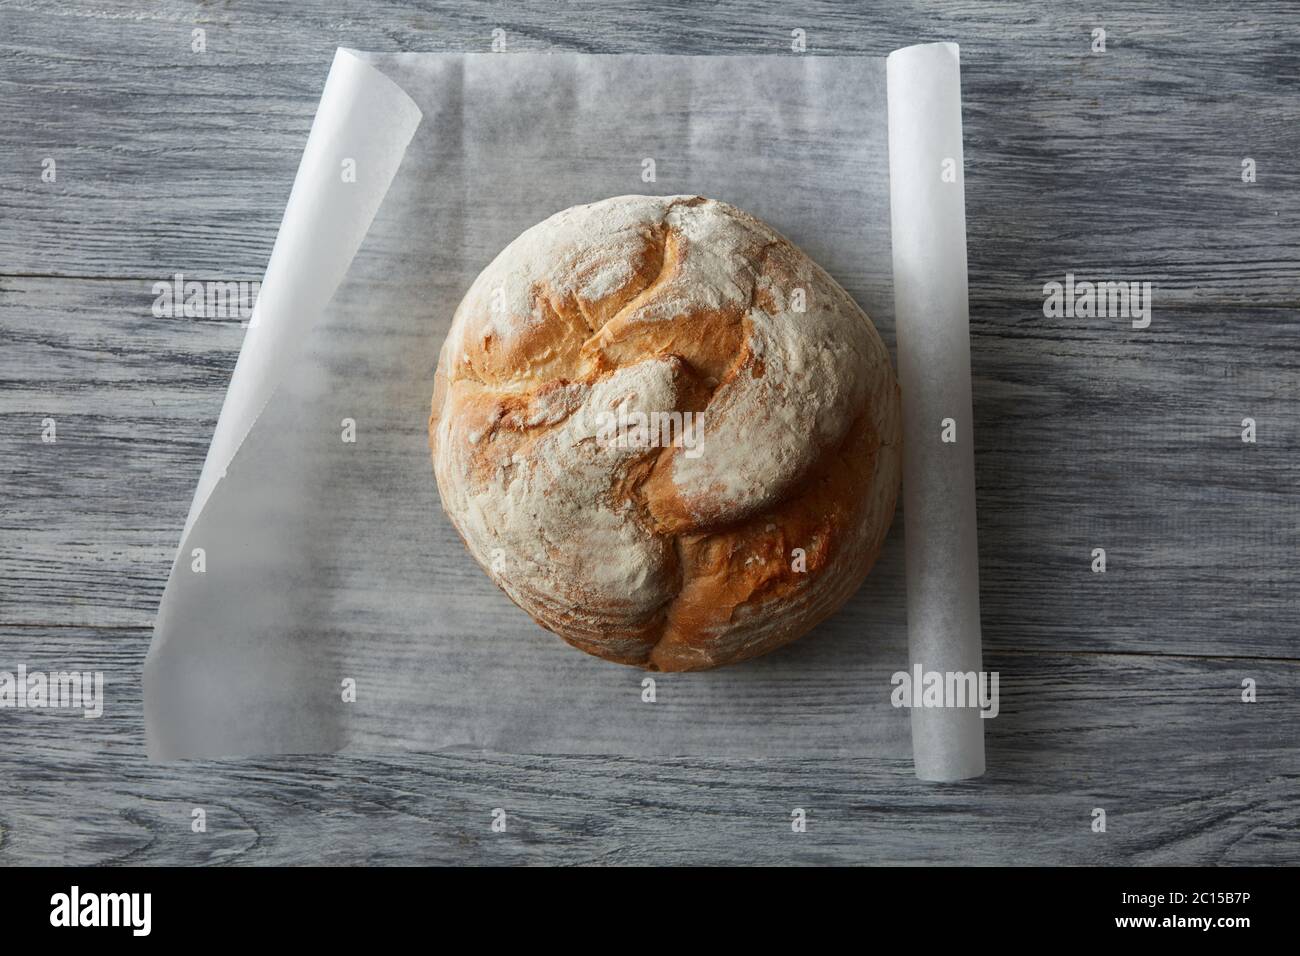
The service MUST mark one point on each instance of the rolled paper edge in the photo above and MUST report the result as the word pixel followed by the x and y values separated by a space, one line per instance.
pixel 928 237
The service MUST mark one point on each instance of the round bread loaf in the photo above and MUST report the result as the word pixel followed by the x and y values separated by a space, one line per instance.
pixel 666 433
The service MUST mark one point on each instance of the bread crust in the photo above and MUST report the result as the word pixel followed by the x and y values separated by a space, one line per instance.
pixel 673 558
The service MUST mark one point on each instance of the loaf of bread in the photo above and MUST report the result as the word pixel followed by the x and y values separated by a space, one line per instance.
pixel 666 433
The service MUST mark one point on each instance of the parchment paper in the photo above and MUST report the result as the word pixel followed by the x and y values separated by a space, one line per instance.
pixel 331 604
pixel 929 246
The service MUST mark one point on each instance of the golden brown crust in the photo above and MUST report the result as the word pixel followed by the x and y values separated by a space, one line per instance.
pixel 653 556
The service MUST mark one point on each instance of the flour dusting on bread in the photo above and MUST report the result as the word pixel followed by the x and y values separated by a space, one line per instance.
pixel 649 555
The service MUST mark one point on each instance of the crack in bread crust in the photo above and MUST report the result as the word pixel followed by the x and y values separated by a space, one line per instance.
pixel 644 556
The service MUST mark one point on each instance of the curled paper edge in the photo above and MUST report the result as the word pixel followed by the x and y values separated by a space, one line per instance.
pixel 928 236
pixel 363 120
pixel 362 116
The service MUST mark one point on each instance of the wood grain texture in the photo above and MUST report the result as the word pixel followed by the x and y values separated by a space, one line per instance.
pixel 1077 732
pixel 1119 690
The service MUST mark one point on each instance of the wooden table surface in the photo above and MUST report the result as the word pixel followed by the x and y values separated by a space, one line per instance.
pixel 1120 691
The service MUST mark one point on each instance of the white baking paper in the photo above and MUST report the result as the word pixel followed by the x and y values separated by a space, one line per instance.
pixel 928 208
pixel 320 600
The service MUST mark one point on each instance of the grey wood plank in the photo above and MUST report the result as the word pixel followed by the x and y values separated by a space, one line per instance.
pixel 1106 163
pixel 1119 690
pixel 1077 731
pixel 1084 440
